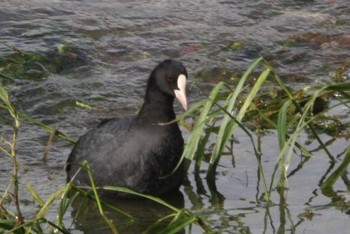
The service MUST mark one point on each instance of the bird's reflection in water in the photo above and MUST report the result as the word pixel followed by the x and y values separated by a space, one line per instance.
pixel 127 215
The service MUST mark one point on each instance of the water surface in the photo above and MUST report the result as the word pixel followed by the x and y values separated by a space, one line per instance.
pixel 117 43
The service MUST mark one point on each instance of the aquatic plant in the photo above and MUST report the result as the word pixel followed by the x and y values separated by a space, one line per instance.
pixel 36 66
pixel 287 111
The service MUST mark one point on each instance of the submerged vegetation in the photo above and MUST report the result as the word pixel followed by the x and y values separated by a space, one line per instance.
pixel 37 66
pixel 258 102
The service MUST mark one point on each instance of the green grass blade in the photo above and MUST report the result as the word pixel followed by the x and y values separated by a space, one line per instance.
pixel 97 199
pixel 55 196
pixel 329 182
pixel 35 194
pixel 317 93
pixel 152 198
pixel 228 125
pixel 282 129
pixel 339 87
pixel 47 128
pixel 179 224
pixel 192 144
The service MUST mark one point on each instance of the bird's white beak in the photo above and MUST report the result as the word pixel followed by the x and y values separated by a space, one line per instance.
pixel 180 93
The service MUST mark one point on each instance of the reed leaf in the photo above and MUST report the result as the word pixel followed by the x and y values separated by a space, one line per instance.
pixel 35 194
pixel 152 198
pixel 282 124
pixel 192 143
pixel 86 166
pixel 45 207
pixel 329 182
pixel 228 124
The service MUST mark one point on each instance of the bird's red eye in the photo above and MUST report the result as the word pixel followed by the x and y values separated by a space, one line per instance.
pixel 169 78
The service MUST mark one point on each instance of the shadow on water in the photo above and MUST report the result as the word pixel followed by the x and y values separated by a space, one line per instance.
pixel 141 215
pixel 128 215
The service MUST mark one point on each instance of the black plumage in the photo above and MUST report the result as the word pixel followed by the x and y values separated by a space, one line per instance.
pixel 138 152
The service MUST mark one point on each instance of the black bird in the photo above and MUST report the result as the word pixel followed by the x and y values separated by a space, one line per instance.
pixel 138 152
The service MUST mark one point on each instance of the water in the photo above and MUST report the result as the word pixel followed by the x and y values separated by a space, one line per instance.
pixel 118 43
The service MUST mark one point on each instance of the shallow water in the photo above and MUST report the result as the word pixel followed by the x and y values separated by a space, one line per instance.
pixel 120 42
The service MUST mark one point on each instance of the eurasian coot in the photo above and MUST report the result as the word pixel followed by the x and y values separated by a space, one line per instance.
pixel 138 152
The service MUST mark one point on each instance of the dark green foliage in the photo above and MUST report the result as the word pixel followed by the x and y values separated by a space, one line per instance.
pixel 254 107
pixel 19 64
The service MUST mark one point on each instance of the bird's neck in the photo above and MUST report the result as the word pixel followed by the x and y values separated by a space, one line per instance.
pixel 157 108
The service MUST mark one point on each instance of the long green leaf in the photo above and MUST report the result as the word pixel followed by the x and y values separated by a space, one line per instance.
pixel 327 185
pixel 195 137
pixel 228 125
pixel 152 198
pixel 282 123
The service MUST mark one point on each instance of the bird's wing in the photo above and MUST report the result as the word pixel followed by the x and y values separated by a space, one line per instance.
pixel 100 145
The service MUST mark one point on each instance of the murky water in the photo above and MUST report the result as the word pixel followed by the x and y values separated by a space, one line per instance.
pixel 119 42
